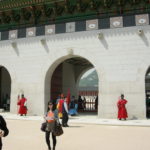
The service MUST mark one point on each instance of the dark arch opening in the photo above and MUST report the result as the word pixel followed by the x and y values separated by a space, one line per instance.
pixel 65 77
pixel 5 89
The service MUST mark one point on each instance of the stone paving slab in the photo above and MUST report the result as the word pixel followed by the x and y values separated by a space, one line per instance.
pixel 84 119
pixel 26 135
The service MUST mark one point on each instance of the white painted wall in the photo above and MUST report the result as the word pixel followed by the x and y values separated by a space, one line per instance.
pixel 121 59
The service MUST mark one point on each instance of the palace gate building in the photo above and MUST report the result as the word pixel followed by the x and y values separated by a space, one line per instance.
pixel 47 45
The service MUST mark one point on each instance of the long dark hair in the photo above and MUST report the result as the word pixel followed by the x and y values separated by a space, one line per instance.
pixel 54 106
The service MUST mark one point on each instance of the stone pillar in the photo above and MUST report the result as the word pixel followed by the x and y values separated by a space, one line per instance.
pixel 69 79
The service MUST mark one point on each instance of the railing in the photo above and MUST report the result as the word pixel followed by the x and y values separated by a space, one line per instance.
pixel 88 101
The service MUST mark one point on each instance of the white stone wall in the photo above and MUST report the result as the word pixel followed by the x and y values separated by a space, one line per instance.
pixel 121 58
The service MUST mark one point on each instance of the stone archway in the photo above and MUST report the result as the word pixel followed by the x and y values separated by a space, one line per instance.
pixel 63 75
pixel 5 89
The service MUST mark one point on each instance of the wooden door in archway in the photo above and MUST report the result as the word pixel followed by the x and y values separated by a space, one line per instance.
pixel 56 82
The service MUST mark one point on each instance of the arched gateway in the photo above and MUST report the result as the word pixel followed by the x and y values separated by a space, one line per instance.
pixel 113 36
pixel 5 89
pixel 65 76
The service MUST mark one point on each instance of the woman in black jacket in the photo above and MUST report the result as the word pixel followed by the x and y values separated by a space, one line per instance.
pixel 3 130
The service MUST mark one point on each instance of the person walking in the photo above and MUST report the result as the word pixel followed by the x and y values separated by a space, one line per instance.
pixel 60 106
pixel 80 103
pixel 65 114
pixel 96 102
pixel 23 105
pixel 122 112
pixel 3 130
pixel 51 117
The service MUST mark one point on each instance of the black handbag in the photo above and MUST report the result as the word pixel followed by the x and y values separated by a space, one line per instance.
pixel 43 126
pixel 57 129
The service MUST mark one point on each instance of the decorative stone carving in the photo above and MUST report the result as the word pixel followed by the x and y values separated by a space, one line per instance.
pixel 30 32
pixel 13 34
pixel 142 19
pixel 92 24
pixel 116 22
pixel 50 29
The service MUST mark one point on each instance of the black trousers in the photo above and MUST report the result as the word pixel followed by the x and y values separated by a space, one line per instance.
pixel 65 119
pixel 47 138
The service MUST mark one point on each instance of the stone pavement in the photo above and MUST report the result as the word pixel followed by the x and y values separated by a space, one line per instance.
pixel 84 119
pixel 26 135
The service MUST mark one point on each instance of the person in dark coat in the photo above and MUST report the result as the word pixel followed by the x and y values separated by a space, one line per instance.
pixel 3 130
pixel 65 114
pixel 80 103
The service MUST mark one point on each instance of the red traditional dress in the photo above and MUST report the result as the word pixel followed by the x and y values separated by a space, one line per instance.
pixel 122 112
pixel 22 108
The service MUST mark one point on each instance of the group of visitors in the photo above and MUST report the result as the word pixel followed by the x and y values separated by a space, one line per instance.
pixel 64 108
pixel 57 110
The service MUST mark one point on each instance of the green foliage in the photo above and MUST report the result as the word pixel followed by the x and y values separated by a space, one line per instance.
pixel 27 15
pixel 7 19
pixel 49 10
pixel 31 12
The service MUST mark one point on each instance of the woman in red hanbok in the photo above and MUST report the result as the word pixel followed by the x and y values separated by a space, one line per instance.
pixel 122 112
pixel 22 103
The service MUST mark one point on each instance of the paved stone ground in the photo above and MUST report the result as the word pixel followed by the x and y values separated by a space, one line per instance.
pixel 85 119
pixel 26 135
